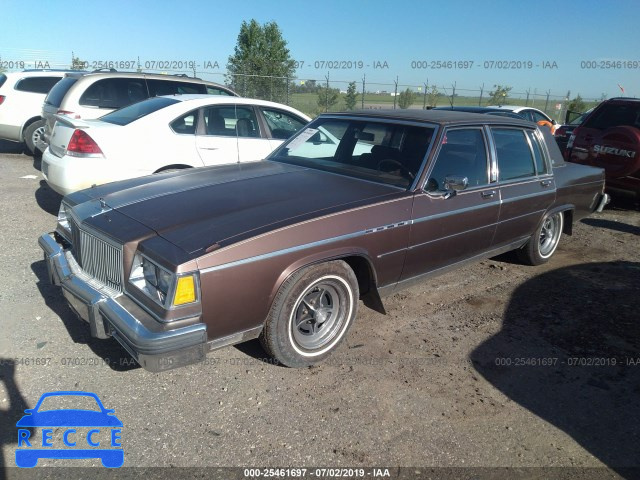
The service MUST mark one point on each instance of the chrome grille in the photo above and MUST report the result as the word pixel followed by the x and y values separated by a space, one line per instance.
pixel 97 258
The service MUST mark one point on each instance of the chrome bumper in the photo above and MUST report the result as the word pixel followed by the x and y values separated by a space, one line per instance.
pixel 111 316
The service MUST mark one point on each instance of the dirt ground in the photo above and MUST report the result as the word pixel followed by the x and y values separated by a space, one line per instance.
pixel 491 366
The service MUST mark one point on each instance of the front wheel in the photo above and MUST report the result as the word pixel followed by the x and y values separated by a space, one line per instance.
pixel 311 314
pixel 544 241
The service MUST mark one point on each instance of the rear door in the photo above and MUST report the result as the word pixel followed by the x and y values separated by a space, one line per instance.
pixel 527 187
pixel 449 229
pixel 231 133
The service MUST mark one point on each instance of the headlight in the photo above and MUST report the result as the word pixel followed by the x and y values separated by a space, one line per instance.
pixel 163 286
pixel 63 221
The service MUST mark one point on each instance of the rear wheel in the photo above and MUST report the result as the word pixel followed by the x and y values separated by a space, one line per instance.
pixel 311 314
pixel 32 135
pixel 544 242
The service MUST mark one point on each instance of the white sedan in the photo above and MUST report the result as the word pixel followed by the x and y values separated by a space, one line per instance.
pixel 164 133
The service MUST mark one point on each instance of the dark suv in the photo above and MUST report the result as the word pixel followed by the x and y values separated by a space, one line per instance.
pixel 610 138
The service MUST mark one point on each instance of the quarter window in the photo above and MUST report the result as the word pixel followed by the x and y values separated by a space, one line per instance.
pixel 186 124
pixel 231 121
pixel 463 154
pixel 37 84
pixel 218 91
pixel 541 166
pixel 158 88
pixel 515 159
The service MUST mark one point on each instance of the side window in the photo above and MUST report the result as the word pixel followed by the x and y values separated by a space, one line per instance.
pixel 114 93
pixel 231 121
pixel 158 88
pixel 463 154
pixel 37 84
pixel 514 155
pixel 281 124
pixel 541 166
pixel 186 124
pixel 537 116
pixel 217 91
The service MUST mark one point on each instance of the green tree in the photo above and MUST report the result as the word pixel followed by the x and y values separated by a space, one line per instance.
pixel 499 94
pixel 577 105
pixel 260 65
pixel 406 99
pixel 432 96
pixel 352 96
pixel 327 97
pixel 76 63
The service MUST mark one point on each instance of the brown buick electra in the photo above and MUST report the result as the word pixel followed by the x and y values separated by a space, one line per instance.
pixel 355 206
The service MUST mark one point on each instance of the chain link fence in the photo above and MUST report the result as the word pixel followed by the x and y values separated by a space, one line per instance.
pixel 325 93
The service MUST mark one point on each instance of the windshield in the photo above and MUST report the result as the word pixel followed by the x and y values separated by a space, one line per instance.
pixel 131 113
pixel 379 151
pixel 59 90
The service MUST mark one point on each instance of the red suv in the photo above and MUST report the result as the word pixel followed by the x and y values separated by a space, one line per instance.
pixel 610 138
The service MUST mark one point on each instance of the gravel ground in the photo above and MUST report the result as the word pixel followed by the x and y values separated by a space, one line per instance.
pixel 493 365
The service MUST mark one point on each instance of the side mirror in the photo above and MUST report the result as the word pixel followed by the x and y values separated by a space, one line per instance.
pixel 456 182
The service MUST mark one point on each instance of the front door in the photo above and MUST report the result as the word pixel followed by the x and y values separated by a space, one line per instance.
pixel 450 227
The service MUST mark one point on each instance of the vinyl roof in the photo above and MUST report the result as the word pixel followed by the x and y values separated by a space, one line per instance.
pixel 435 116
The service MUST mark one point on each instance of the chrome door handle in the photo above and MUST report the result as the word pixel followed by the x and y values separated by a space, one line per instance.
pixel 545 183
pixel 488 194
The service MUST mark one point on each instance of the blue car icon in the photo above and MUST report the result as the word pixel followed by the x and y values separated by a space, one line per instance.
pixel 67 419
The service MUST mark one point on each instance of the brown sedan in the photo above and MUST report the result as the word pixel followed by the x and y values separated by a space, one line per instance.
pixel 356 206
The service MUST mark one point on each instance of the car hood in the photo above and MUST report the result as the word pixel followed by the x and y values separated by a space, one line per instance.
pixel 205 208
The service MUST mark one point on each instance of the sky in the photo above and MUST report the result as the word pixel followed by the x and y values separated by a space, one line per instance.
pixel 547 46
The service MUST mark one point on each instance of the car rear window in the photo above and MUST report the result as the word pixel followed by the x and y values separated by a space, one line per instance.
pixel 59 90
pixel 158 88
pixel 37 84
pixel 3 78
pixel 614 115
pixel 129 114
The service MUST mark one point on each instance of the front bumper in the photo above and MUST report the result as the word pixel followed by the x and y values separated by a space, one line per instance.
pixel 119 317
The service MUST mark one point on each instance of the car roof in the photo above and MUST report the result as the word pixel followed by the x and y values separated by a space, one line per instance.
pixel 204 99
pixel 89 76
pixel 517 108
pixel 37 73
pixel 443 117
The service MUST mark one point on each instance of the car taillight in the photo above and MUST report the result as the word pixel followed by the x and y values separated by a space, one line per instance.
pixel 67 112
pixel 2 97
pixel 81 144
pixel 572 137
pixel 561 132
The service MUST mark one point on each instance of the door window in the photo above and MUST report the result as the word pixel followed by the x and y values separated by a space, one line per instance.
pixel 515 159
pixel 114 93
pixel 282 124
pixel 463 154
pixel 231 121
